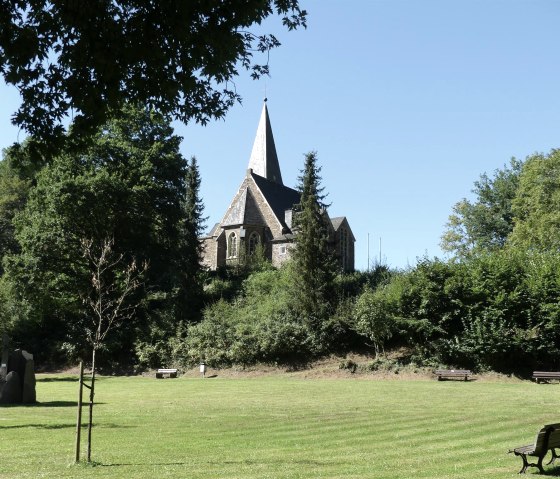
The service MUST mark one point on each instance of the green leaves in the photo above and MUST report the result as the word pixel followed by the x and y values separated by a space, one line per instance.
pixel 128 185
pixel 91 58
pixel 486 223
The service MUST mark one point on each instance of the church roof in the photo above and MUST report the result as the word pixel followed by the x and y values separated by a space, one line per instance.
pixel 337 223
pixel 279 197
pixel 264 160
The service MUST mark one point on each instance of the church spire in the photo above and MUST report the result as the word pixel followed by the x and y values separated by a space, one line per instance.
pixel 264 160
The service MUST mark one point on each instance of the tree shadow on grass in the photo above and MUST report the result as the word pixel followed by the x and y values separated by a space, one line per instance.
pixel 67 379
pixel 124 464
pixel 48 404
pixel 246 462
pixel 39 426
pixel 63 426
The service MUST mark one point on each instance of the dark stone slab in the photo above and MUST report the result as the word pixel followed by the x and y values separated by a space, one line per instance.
pixel 29 395
pixel 12 391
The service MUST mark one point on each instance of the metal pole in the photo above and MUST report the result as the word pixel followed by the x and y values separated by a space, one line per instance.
pixel 79 419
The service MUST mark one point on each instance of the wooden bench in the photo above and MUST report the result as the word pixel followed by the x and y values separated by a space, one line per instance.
pixel 546 376
pixel 548 439
pixel 162 373
pixel 453 373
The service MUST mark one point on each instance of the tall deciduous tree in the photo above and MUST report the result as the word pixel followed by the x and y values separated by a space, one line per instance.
pixel 314 265
pixel 128 185
pixel 537 204
pixel 178 57
pixel 485 223
pixel 18 170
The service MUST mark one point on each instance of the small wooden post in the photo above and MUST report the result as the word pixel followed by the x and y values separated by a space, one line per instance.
pixel 79 419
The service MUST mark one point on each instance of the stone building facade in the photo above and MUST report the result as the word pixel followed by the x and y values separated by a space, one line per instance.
pixel 260 214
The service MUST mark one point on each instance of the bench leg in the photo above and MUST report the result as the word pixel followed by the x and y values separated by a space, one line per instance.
pixel 553 458
pixel 526 464
pixel 539 464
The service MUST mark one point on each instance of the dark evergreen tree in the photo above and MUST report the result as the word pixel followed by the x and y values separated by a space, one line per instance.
pixel 314 264
pixel 191 300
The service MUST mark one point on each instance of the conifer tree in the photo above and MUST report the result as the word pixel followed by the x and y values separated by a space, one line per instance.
pixel 192 295
pixel 313 259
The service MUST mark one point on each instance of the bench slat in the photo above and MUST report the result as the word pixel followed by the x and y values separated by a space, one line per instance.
pixel 172 373
pixel 453 373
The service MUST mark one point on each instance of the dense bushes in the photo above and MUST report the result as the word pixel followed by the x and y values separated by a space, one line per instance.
pixel 495 311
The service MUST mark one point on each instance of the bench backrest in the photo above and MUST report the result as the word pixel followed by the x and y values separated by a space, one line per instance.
pixel 548 437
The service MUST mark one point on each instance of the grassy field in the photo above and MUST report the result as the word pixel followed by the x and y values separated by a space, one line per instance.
pixel 278 427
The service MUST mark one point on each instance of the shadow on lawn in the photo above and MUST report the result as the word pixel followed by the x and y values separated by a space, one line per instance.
pixel 123 464
pixel 64 426
pixel 243 462
pixel 67 379
pixel 48 404
pixel 554 471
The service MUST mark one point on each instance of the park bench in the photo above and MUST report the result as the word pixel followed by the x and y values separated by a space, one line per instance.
pixel 548 439
pixel 546 376
pixel 162 373
pixel 453 373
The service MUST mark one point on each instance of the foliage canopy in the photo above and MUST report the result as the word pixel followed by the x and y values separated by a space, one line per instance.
pixel 87 58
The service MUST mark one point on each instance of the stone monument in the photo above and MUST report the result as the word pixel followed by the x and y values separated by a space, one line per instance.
pixel 17 376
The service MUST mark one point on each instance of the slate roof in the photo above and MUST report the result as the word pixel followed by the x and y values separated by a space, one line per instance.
pixel 279 197
pixel 337 223
pixel 264 160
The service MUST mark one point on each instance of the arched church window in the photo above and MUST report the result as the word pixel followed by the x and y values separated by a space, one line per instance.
pixel 254 241
pixel 232 245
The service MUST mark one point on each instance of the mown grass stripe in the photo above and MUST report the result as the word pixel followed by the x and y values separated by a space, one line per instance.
pixel 280 428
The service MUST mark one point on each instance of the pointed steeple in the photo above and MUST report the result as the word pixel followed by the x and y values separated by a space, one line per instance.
pixel 264 160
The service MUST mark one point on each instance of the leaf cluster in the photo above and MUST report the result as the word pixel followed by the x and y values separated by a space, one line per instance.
pixel 88 58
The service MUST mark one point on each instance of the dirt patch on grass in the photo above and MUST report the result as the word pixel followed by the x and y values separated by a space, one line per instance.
pixel 352 366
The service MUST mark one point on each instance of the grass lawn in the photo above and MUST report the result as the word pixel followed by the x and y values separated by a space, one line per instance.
pixel 278 427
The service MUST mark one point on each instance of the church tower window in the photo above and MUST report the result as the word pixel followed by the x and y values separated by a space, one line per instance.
pixel 232 246
pixel 254 241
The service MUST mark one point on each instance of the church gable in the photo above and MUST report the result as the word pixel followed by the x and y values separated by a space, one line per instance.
pixel 251 207
pixel 244 210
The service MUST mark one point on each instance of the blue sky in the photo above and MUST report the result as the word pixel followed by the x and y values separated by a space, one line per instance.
pixel 406 102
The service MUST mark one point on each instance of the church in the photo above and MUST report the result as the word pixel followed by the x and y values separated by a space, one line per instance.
pixel 261 212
